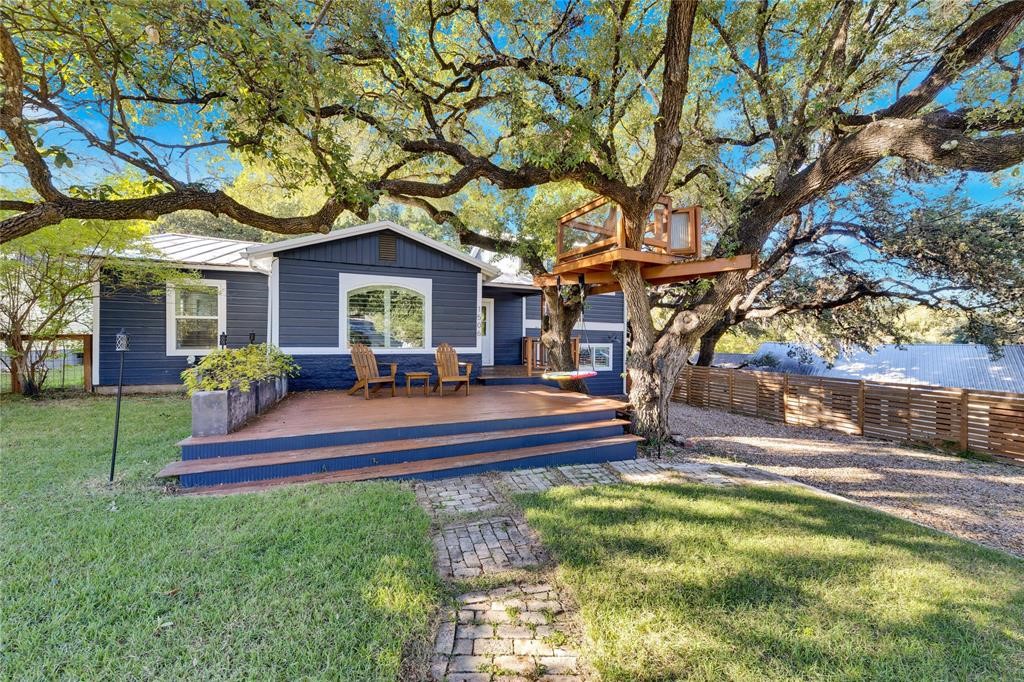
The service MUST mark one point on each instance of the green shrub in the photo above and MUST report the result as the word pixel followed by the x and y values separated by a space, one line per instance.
pixel 238 368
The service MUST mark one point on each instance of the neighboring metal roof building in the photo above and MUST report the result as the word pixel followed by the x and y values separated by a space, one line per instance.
pixel 958 365
pixel 726 360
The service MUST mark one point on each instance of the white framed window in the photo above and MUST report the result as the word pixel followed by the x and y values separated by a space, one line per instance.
pixel 197 314
pixel 391 314
pixel 596 357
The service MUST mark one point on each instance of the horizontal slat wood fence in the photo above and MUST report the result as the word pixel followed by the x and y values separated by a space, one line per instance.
pixel 983 421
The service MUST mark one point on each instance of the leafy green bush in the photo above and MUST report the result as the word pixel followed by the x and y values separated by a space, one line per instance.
pixel 238 368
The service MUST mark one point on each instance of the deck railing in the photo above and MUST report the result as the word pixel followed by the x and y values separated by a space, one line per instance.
pixel 535 356
pixel 990 422
pixel 598 226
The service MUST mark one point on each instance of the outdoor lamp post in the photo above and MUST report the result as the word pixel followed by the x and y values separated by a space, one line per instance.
pixel 121 346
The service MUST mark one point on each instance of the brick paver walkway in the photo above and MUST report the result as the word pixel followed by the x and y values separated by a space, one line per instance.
pixel 461 495
pixel 469 550
pixel 517 632
pixel 589 474
pixel 532 480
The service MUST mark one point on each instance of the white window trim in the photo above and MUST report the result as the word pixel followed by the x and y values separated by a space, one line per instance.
pixel 611 356
pixel 95 369
pixel 222 317
pixel 423 286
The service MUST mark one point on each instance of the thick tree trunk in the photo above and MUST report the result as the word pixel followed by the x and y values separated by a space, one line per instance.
pixel 560 317
pixel 706 352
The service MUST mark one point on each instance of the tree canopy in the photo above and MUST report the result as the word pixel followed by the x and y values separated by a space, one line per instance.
pixel 765 112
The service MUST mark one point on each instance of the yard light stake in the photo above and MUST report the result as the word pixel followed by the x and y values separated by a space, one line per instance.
pixel 121 346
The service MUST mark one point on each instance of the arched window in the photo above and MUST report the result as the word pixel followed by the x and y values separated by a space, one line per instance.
pixel 386 317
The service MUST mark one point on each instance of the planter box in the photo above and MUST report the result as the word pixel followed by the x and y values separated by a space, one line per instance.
pixel 217 413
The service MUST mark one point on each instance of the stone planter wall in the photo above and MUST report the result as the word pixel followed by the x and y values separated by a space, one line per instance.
pixel 216 413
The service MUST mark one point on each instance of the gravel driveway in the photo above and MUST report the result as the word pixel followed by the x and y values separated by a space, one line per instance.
pixel 979 501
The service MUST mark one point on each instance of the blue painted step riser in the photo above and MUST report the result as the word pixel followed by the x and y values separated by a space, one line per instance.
pixel 319 440
pixel 320 466
pixel 607 453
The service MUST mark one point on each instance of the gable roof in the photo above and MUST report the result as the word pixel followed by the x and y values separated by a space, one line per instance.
pixel 955 365
pixel 258 250
pixel 191 249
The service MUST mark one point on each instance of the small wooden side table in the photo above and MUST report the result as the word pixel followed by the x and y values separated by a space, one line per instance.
pixel 411 376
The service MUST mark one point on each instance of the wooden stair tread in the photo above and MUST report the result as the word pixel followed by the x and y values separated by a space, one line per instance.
pixel 209 464
pixel 417 467
pixel 312 421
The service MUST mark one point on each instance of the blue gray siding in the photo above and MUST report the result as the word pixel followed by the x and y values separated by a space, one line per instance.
pixel 601 308
pixel 508 325
pixel 144 318
pixel 309 289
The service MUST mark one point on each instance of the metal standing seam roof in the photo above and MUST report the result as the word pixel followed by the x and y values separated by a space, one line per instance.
pixel 955 365
pixel 196 250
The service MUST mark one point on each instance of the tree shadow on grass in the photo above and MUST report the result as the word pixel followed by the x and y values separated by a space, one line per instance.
pixel 797 584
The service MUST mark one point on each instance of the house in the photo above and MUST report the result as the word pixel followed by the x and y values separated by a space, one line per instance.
pixel 379 284
pixel 954 365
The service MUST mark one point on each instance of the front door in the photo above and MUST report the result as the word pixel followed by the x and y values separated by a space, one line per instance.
pixel 487 330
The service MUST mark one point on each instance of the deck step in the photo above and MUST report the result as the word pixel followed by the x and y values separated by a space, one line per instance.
pixel 391 451
pixel 455 423
pixel 593 450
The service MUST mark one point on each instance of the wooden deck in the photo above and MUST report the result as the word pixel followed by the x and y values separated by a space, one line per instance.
pixel 321 412
pixel 331 436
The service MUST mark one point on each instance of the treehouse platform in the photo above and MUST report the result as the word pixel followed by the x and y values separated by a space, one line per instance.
pixel 592 239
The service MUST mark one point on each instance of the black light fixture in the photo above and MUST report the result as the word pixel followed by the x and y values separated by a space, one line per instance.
pixel 223 339
pixel 121 342
pixel 252 338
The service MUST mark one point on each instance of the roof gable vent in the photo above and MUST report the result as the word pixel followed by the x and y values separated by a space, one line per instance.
pixel 387 248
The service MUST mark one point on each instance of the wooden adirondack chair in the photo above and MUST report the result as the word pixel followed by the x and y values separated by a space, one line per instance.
pixel 447 363
pixel 368 372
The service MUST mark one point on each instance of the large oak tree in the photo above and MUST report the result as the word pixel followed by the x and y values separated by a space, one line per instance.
pixel 423 101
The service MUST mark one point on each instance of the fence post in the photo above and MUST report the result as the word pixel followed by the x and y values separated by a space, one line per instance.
pixel 87 363
pixel 731 376
pixel 785 398
pixel 860 408
pixel 964 406
pixel 910 411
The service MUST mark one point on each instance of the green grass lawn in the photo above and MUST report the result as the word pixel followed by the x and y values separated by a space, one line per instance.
pixel 69 377
pixel 132 583
pixel 693 582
